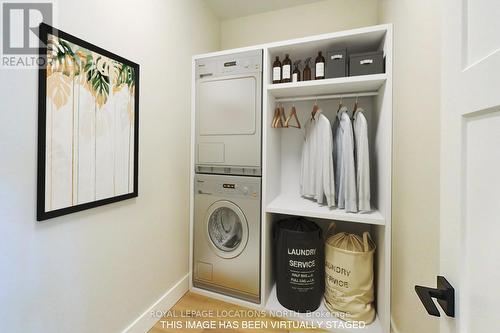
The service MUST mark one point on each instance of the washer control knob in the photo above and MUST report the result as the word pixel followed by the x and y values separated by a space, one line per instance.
pixel 245 190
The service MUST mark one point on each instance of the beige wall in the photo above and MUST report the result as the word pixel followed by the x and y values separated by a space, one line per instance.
pixel 98 270
pixel 299 21
pixel 415 228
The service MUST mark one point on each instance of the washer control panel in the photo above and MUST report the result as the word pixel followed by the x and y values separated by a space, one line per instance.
pixel 237 189
pixel 228 186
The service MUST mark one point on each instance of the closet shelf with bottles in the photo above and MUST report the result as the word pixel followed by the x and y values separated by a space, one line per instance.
pixel 350 84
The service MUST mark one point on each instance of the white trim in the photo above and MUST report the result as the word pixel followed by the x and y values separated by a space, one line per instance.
pixel 316 97
pixel 146 321
pixel 225 298
pixel 394 328
pixel 191 171
pixel 289 42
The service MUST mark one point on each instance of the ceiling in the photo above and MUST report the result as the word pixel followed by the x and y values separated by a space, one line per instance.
pixel 228 9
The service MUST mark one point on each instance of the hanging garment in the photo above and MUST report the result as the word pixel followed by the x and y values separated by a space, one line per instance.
pixel 362 160
pixel 343 155
pixel 316 174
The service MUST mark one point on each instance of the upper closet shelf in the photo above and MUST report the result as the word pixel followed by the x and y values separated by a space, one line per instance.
pixel 351 84
pixel 292 205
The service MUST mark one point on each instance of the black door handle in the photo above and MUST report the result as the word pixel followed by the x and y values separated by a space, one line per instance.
pixel 445 295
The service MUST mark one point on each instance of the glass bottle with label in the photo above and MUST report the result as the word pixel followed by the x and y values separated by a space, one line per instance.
pixel 296 71
pixel 306 73
pixel 320 67
pixel 286 72
pixel 277 70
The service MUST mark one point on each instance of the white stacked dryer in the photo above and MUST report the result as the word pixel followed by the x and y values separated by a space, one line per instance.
pixel 228 140
pixel 229 114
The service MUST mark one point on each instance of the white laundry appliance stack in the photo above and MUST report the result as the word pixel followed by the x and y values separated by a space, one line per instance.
pixel 227 182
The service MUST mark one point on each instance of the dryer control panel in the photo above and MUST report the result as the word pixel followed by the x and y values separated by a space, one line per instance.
pixel 227 186
pixel 239 63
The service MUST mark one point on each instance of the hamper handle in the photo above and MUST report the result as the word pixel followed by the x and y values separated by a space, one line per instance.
pixel 330 228
pixel 366 237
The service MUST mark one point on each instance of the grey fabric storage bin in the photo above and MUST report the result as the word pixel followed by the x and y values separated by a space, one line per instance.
pixel 336 63
pixel 366 63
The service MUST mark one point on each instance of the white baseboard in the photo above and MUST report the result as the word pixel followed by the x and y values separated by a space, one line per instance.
pixel 146 321
pixel 394 328
pixel 227 299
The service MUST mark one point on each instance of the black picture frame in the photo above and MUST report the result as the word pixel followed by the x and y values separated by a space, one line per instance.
pixel 42 214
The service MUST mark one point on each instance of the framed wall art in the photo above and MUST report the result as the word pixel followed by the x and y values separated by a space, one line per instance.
pixel 88 126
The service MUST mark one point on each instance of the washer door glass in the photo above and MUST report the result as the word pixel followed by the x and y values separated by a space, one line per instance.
pixel 227 229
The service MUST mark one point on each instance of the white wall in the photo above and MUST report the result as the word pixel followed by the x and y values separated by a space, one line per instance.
pixel 415 226
pixel 299 21
pixel 97 270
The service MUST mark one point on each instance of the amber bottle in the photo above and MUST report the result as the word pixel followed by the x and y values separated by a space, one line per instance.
pixel 320 67
pixel 296 71
pixel 286 70
pixel 306 73
pixel 277 70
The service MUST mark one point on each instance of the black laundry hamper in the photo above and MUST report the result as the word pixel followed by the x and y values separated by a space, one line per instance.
pixel 299 264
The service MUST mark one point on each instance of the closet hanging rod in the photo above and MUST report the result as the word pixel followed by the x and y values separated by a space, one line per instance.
pixel 336 96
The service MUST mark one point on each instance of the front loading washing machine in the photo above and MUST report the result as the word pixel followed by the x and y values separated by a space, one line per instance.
pixel 226 249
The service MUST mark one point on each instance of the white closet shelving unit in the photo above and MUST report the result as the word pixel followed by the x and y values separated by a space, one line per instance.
pixel 281 153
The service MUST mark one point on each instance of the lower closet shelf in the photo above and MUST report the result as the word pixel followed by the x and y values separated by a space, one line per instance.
pixel 294 205
pixel 318 317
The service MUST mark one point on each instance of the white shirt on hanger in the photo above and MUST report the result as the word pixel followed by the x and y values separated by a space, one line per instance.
pixel 316 174
pixel 345 174
pixel 362 160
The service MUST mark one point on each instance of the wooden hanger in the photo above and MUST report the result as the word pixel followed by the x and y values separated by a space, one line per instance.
pixel 274 123
pixel 314 110
pixel 355 105
pixel 282 118
pixel 340 104
pixel 279 117
pixel 294 115
pixel 276 117
pixel 278 123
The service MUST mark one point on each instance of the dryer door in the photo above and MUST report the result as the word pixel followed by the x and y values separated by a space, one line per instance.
pixel 228 121
pixel 227 105
pixel 227 229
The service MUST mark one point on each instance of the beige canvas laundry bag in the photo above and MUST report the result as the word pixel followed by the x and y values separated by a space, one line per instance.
pixel 349 293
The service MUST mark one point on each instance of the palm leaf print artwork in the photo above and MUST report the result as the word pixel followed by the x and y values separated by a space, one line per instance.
pixel 90 126
pixel 93 68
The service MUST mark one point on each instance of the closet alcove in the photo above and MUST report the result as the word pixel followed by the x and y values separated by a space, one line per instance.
pixel 281 154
